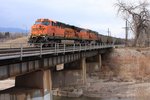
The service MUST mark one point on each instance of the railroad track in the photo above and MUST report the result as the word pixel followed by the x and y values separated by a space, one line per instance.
pixel 25 49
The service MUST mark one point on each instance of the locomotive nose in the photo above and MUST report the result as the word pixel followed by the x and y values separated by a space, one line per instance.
pixel 39 26
pixel 38 30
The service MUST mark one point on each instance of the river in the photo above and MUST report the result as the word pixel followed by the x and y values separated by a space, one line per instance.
pixel 81 98
pixel 85 98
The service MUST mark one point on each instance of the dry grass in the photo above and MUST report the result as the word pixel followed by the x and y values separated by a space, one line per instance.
pixel 18 40
pixel 141 94
pixel 15 43
pixel 128 65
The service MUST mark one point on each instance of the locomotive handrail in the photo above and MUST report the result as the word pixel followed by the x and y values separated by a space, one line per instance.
pixel 23 51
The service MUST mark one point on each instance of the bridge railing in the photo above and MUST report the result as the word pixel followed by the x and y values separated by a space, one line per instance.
pixel 39 49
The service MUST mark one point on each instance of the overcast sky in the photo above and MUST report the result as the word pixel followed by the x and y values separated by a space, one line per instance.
pixel 98 15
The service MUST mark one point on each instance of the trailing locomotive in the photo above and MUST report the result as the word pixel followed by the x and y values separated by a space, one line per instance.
pixel 49 31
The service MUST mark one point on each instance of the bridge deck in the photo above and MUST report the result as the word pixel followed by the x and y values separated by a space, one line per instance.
pixel 10 53
pixel 19 61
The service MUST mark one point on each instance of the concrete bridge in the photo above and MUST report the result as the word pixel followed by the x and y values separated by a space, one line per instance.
pixel 34 67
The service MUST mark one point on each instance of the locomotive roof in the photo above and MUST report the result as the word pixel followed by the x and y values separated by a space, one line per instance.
pixel 67 25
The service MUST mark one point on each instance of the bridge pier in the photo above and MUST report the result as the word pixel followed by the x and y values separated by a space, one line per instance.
pixel 94 64
pixel 99 60
pixel 83 66
pixel 37 80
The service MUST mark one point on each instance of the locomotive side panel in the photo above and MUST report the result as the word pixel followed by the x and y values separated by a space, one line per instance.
pixel 83 34
pixel 56 30
pixel 93 36
pixel 69 33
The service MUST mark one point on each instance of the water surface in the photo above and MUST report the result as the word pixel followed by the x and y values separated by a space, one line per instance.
pixel 81 98
pixel 85 98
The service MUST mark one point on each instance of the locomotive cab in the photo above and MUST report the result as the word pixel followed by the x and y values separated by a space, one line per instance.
pixel 40 27
pixel 39 31
pixel 46 31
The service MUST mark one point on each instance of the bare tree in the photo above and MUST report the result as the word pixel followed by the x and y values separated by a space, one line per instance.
pixel 138 17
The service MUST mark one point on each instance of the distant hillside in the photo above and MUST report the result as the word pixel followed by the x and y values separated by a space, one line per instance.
pixel 13 30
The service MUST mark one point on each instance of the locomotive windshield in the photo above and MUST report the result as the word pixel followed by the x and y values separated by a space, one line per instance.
pixel 37 23
pixel 46 23
pixel 43 23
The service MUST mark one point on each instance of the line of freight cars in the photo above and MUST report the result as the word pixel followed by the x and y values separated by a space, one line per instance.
pixel 49 31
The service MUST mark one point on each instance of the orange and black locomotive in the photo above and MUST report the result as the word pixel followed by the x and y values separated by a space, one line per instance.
pixel 49 31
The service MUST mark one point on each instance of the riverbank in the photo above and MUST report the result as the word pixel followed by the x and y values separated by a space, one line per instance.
pixel 125 73
pixel 112 89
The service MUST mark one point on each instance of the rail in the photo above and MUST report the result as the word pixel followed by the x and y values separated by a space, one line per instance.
pixel 25 50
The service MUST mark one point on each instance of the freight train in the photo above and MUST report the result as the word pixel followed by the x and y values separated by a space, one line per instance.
pixel 48 31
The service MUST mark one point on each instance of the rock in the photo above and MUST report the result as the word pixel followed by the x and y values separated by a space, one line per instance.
pixel 75 93
pixel 68 93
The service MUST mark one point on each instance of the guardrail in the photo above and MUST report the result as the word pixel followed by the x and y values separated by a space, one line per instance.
pixel 26 51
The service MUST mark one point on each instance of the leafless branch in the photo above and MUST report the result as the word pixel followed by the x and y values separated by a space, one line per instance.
pixel 137 15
